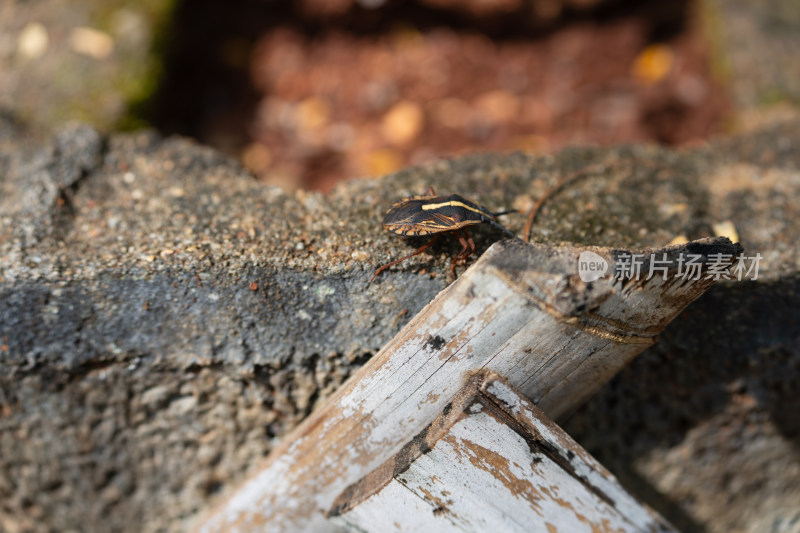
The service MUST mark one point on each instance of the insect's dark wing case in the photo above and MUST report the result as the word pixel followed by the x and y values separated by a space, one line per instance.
pixel 444 220
pixel 402 211
pixel 425 215
pixel 406 217
pixel 434 222
pixel 420 223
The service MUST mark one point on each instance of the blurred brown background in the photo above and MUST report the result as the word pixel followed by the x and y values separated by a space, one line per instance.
pixel 309 93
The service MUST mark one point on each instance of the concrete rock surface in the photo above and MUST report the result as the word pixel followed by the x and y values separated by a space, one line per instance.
pixel 164 318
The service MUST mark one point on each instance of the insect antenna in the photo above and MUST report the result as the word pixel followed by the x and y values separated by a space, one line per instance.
pixel 505 230
pixel 500 226
pixel 560 184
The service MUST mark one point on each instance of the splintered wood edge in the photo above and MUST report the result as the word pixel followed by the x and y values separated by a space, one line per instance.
pixel 502 401
pixel 548 277
pixel 418 446
pixel 521 311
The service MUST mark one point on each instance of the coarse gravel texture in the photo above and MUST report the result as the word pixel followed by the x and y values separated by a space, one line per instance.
pixel 164 318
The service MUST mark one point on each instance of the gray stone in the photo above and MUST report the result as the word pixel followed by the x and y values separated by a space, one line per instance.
pixel 161 324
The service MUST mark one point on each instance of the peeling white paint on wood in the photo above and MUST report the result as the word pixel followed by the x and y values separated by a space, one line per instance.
pixel 503 467
pixel 520 311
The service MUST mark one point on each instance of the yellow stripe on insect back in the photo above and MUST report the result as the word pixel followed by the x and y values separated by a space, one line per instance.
pixel 452 203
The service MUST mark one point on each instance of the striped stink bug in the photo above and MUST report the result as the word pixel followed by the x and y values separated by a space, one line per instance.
pixel 435 215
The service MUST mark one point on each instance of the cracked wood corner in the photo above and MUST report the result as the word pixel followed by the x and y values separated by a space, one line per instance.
pixel 521 311
pixel 491 460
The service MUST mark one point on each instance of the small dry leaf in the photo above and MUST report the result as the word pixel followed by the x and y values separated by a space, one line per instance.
pixel 91 42
pixel 653 64
pixel 402 123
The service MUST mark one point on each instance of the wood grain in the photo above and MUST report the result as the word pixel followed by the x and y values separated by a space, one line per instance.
pixel 521 311
pixel 492 461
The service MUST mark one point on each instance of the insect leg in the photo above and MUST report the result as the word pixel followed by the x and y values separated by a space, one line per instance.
pixel 417 252
pixel 468 247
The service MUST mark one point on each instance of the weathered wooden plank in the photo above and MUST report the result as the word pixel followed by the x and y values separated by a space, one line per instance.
pixel 492 461
pixel 522 311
